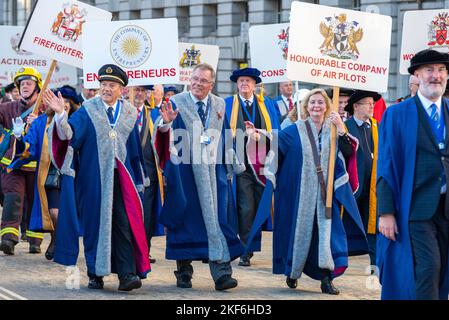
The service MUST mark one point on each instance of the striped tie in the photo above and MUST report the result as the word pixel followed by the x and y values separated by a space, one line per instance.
pixel 434 115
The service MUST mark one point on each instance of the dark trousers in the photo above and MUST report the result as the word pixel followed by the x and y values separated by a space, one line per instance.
pixel 363 205
pixel 249 193
pixel 149 207
pixel 18 190
pixel 122 255
pixel 217 270
pixel 430 245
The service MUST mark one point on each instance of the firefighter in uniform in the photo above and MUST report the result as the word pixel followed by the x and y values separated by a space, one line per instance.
pixel 18 185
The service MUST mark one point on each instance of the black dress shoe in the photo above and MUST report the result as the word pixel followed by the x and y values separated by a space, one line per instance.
pixel 96 283
pixel 49 255
pixel 129 282
pixel 152 260
pixel 291 283
pixel 183 280
pixel 7 246
pixel 328 287
pixel 35 248
pixel 244 261
pixel 225 282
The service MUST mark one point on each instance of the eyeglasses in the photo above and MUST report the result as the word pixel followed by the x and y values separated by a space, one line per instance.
pixel 201 81
pixel 366 103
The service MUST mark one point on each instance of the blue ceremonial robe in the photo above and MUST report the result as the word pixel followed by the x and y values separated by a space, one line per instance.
pixel 182 215
pixel 347 235
pixel 396 165
pixel 274 119
pixel 87 197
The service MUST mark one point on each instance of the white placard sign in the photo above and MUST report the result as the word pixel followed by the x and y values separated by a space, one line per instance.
pixel 423 29
pixel 12 59
pixel 338 47
pixel 148 55
pixel 269 51
pixel 55 29
pixel 192 54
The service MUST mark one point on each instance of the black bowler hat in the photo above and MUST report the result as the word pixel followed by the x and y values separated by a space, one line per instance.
pixel 359 95
pixel 428 56
pixel 246 72
pixel 111 72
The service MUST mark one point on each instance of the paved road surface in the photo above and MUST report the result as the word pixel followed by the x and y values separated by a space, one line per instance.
pixel 27 276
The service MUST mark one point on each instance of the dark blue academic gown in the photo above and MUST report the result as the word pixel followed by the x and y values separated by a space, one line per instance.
pixel 396 165
pixel 274 118
pixel 182 215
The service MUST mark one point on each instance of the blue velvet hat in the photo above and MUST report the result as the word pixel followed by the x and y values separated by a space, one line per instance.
pixel 246 72
pixel 170 88
pixel 68 92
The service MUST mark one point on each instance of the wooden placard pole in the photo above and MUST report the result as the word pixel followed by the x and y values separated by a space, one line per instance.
pixel 185 88
pixel 330 175
pixel 297 95
pixel 44 86
pixel 131 95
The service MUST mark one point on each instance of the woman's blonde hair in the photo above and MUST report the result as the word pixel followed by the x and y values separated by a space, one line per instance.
pixel 306 99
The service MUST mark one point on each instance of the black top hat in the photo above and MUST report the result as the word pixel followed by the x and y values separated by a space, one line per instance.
pixel 359 95
pixel 428 56
pixel 246 72
pixel 111 72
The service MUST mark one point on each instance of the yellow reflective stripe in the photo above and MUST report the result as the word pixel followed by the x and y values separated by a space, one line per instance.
pixel 37 235
pixel 7 162
pixel 9 230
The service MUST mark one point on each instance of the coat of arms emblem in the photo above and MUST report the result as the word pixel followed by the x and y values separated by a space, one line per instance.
pixel 438 29
pixel 69 22
pixel 340 37
pixel 190 57
pixel 283 42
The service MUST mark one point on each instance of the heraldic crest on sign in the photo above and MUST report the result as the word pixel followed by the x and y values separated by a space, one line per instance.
pixel 340 37
pixel 438 29
pixel 283 42
pixel 69 22
pixel 190 57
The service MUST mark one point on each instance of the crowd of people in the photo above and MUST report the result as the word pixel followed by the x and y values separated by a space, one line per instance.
pixel 122 164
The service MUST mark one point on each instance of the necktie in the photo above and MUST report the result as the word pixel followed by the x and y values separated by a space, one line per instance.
pixel 434 115
pixel 110 114
pixel 290 104
pixel 248 107
pixel 201 112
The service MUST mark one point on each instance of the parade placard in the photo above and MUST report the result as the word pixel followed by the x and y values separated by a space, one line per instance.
pixel 12 59
pixel 192 54
pixel 148 55
pixel 269 51
pixel 55 29
pixel 423 29
pixel 339 47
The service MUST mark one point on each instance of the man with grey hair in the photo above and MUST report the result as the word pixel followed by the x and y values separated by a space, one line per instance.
pixel 413 202
pixel 198 193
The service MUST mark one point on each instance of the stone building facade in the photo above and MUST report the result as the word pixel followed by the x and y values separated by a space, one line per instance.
pixel 219 22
